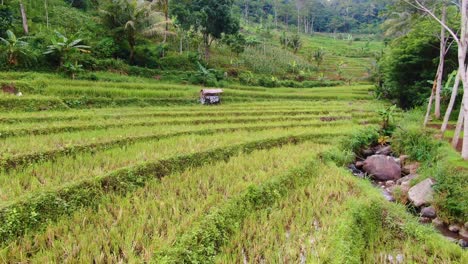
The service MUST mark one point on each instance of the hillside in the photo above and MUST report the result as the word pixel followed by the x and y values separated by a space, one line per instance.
pixel 109 156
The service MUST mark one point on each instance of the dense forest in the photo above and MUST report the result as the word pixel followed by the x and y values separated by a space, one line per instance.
pixel 308 16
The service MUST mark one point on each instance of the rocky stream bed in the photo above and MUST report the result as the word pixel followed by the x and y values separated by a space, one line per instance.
pixel 393 176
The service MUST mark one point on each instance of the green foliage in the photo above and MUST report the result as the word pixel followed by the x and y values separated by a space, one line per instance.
pixel 360 139
pixel 271 81
pixel 236 43
pixel 64 48
pixel 408 65
pixel 418 144
pixel 388 117
pixel 204 76
pixel 340 157
pixel 15 103
pixel 72 69
pixel 127 20
pixel 294 42
pixel 80 4
pixel 211 17
pixel 452 193
pixel 105 48
pixel 16 51
pixel 319 56
pixel 330 16
pixel 6 19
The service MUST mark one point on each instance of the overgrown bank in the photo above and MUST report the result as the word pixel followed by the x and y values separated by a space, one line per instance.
pixel 416 169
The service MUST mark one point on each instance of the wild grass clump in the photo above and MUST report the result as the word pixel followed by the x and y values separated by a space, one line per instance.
pixel 418 143
pixel 363 137
pixel 451 191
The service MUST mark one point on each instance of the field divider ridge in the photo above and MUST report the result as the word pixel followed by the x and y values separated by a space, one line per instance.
pixel 76 128
pixel 9 120
pixel 18 161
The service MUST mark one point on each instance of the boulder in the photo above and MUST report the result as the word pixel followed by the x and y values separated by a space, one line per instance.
pixel 422 193
pixel 383 150
pixel 407 178
pixel 389 183
pixel 437 222
pixel 382 168
pixel 429 212
pixel 454 228
pixel 464 233
pixel 411 168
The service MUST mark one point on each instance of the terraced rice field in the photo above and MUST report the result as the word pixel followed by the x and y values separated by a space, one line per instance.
pixel 239 182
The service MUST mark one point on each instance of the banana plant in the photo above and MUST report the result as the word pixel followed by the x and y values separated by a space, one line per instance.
pixel 16 50
pixel 63 47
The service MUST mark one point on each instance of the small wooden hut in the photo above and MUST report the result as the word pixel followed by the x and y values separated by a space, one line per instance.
pixel 210 96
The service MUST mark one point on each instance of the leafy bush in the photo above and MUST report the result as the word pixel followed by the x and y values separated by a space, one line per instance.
pixel 452 193
pixel 105 48
pixel 418 144
pixel 268 82
pixel 364 137
pixel 409 64
pixel 146 56
pixel 178 62
pixel 204 76
pixel 341 157
pixel 6 19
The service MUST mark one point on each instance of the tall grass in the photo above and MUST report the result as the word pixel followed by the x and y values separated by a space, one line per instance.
pixel 132 228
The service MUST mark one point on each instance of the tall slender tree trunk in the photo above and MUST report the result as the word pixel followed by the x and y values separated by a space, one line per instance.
pixel 181 45
pixel 46 7
pixel 431 99
pixel 24 18
pixel 462 42
pixel 462 48
pixel 440 73
pixel 456 136
pixel 453 97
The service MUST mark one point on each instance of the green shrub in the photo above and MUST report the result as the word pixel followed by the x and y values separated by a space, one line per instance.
pixel 105 48
pixel 451 197
pixel 146 56
pixel 341 157
pixel 268 82
pixel 418 144
pixel 362 138
pixel 177 62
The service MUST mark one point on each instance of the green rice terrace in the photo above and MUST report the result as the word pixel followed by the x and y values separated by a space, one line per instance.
pixel 141 172
pixel 233 131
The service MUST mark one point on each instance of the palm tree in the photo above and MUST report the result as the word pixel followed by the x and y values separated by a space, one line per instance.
pixel 63 47
pixel 163 6
pixel 130 18
pixel 397 25
pixel 16 50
